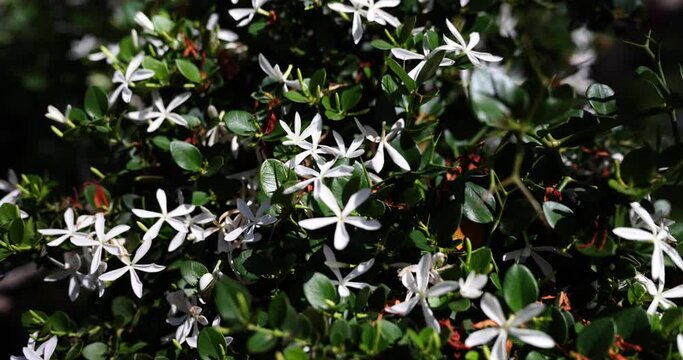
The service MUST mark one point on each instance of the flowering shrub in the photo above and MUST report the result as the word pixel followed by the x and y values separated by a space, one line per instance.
pixel 356 179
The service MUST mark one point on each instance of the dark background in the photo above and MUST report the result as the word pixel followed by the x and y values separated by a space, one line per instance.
pixel 35 71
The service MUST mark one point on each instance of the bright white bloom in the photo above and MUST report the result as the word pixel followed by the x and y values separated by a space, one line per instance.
pixel 161 112
pixel 341 217
pixel 426 54
pixel 69 269
pixel 196 233
pixel 175 218
pixel 472 286
pixel 144 22
pixel 357 9
pixel 243 16
pixel 131 267
pixel 660 298
pixel 508 327
pixel 466 48
pixel 507 22
pixel 103 242
pixel 437 265
pixel 344 283
pixel 419 292
pixel 521 255
pixel 298 137
pixel 252 221
pixel 133 74
pixel 384 141
pixel 43 352
pixel 275 74
pixel 10 187
pixel 679 342
pixel 72 228
pixel 113 49
pixel 188 320
pixel 376 14
pixel 657 236
pixel 317 177
pixel 54 114
pixel 341 151
pixel 221 34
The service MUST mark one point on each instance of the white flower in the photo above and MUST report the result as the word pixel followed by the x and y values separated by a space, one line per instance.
pixel 131 267
pixel 69 269
pixel 112 49
pixel 437 265
pixel 679 342
pixel 252 222
pixel 419 292
pixel 426 54
pixel 10 187
pixel 72 228
pixel 344 283
pixel 507 22
pixel 162 112
pixel 223 35
pixel 92 281
pixel 144 22
pixel 657 236
pixel 54 114
pixel 472 286
pixel 341 217
pixel 376 14
pixel 522 254
pixel 384 141
pixel 188 321
pixel 508 327
pixel 660 298
pixel 243 16
pixel 341 151
pixel 103 241
pixel 298 137
pixel 133 74
pixel 175 218
pixel 195 233
pixel 275 74
pixel 317 177
pixel 460 46
pixel 357 10
pixel 43 352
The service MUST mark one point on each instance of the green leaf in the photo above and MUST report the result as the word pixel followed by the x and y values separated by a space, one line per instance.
pixel 320 292
pixel 381 44
pixel 479 204
pixel 295 353
pixel 672 321
pixel 519 287
pixel 632 324
pixel 192 271
pixel 123 310
pixel 296 97
pixel 555 212
pixel 495 97
pixel 162 23
pixel 59 323
pixel 595 339
pixel 233 301
pixel 601 98
pixel 189 70
pixel 160 69
pixel 350 97
pixel 429 69
pixel 639 167
pixel 186 155
pixel 95 351
pixel 272 175
pixel 340 332
pixel 261 342
pixel 402 74
pixel 211 344
pixel 240 122
pixel 95 102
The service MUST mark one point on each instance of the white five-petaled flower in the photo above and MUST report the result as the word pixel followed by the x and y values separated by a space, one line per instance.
pixel 660 297
pixel 188 321
pixel 472 286
pixel 466 48
pixel 341 151
pixel 658 236
pixel 243 16
pixel 192 230
pixel 317 177
pixel 69 269
pixel 357 10
pixel 175 217
pixel 103 242
pixel 10 187
pixel 55 115
pixel 131 267
pixel 426 54
pixel 43 352
pixel 384 141
pixel 297 137
pixel 344 283
pixel 250 222
pixel 72 228
pixel 144 22
pixel 341 217
pixel 419 291
pixel 161 112
pixel 133 74
pixel 524 253
pixel 376 14
pixel 276 75
pixel 508 327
